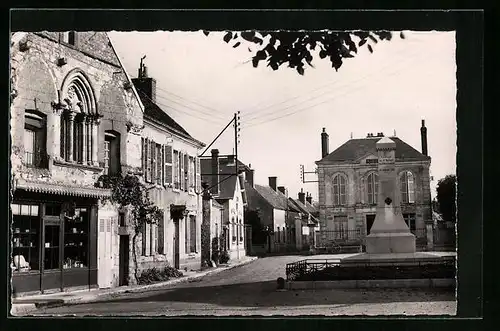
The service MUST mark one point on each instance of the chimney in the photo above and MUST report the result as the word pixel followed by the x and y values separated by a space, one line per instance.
pixel 282 189
pixel 272 182
pixel 423 136
pixel 215 171
pixel 302 196
pixel 309 198
pixel 324 143
pixel 145 84
pixel 249 177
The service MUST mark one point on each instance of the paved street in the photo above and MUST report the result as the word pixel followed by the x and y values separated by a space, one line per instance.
pixel 251 290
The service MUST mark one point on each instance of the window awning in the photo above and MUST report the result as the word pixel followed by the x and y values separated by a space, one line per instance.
pixel 37 187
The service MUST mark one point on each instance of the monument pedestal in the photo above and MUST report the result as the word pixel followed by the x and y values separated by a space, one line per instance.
pixel 382 243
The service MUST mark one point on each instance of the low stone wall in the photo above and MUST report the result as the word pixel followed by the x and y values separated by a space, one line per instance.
pixel 372 283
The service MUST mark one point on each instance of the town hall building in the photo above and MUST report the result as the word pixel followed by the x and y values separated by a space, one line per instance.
pixel 348 185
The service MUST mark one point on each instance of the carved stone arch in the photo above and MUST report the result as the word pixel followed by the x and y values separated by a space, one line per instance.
pixel 78 93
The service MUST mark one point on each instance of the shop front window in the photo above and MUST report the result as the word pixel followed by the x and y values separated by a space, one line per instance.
pixel 26 238
pixel 76 239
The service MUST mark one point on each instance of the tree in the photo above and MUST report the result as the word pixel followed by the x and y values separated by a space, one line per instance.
pixel 446 197
pixel 296 48
pixel 252 218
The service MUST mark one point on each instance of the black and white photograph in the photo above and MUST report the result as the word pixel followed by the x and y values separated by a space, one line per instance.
pixel 233 172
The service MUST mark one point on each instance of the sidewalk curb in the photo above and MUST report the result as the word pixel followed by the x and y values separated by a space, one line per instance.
pixel 19 309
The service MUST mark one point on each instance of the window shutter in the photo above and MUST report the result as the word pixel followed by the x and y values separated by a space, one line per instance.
pixel 168 165
pixel 181 174
pixel 159 164
pixel 186 172
pixel 143 156
pixel 198 175
pixel 153 162
pixel 148 161
pixel 161 239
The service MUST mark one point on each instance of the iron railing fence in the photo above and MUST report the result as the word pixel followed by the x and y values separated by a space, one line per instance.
pixel 299 269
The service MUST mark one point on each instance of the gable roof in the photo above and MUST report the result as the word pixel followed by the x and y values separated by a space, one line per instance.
pixel 153 111
pixel 305 208
pixel 354 149
pixel 275 198
pixel 226 186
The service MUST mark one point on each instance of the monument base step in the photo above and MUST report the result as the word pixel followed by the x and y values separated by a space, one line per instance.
pixel 396 259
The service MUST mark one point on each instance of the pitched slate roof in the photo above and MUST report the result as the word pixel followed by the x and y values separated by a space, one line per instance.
pixel 305 208
pixel 153 111
pixel 226 187
pixel 275 198
pixel 354 149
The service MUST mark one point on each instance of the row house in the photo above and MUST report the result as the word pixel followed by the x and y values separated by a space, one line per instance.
pixel 72 119
pixel 171 168
pixel 306 224
pixel 276 213
pixel 348 186
pixel 226 187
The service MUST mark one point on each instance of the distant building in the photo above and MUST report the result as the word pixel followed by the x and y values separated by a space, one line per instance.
pixel 276 213
pixel 227 188
pixel 348 185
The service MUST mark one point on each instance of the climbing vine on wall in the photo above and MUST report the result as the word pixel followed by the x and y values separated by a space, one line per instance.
pixel 129 192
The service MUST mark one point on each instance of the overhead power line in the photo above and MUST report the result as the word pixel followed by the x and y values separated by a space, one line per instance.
pixel 317 104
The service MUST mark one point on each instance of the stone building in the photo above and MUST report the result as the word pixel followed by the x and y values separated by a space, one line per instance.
pixel 276 213
pixel 71 104
pixel 348 184
pixel 171 168
pixel 227 189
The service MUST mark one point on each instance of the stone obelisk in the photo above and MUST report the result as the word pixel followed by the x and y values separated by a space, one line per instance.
pixel 389 233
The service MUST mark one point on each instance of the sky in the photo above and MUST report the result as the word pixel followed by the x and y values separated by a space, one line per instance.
pixel 202 81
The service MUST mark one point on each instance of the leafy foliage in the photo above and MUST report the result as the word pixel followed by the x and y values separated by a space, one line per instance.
pixel 296 49
pixel 446 193
pixel 259 235
pixel 154 275
pixel 129 191
pixel 224 257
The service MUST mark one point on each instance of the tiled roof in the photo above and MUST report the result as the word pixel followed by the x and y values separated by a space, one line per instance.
pixel 275 198
pixel 153 111
pixel 306 207
pixel 354 149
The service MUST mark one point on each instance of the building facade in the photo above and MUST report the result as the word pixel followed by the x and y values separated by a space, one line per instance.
pixel 171 169
pixel 277 215
pixel 227 189
pixel 348 185
pixel 69 93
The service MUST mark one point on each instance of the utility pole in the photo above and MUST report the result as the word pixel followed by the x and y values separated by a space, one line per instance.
pixel 236 142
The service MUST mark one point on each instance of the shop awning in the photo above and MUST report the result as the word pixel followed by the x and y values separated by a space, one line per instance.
pixel 37 187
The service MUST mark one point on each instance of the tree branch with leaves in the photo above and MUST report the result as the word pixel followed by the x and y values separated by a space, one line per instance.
pixel 296 49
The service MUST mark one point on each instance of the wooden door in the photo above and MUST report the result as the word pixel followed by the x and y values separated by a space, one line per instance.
pixel 105 256
pixel 176 244
pixel 124 260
